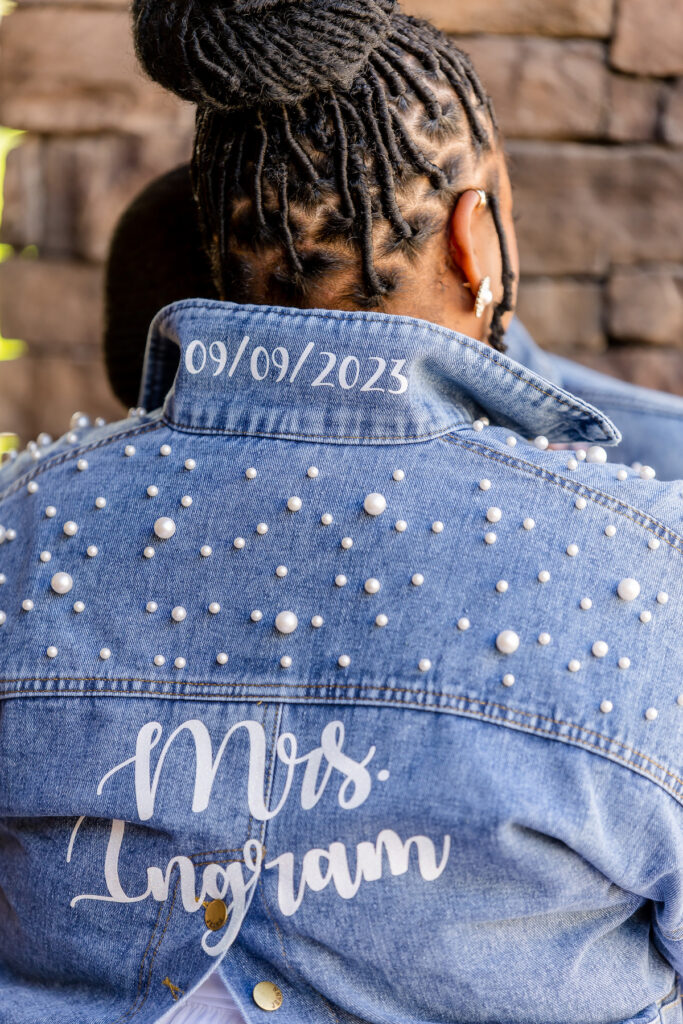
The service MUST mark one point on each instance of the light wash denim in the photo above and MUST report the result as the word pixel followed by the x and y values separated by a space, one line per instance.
pixel 447 787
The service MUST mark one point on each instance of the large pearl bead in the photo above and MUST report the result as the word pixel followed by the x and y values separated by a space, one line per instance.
pixel 375 504
pixel 507 642
pixel 628 589
pixel 286 622
pixel 164 527
pixel 61 583
pixel 179 614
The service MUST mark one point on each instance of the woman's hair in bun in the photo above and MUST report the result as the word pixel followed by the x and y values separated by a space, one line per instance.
pixel 327 130
pixel 248 53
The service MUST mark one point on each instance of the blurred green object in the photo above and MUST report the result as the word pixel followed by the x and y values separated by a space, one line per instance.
pixel 8 442
pixel 10 138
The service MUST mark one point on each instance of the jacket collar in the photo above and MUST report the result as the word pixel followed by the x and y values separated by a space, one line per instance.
pixel 344 377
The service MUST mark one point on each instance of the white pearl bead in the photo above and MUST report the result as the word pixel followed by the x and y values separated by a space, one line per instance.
pixel 285 661
pixel 71 437
pixel 186 501
pixel 179 614
pixel 646 473
pixel 100 502
pixel 222 658
pixel 251 473
pixel 653 543
pixel 580 503
pixel 624 662
pixel 573 550
pixel 502 586
pixel 3 578
pixel 544 639
pixel 662 597
pixel 50 511
pixel 651 714
pixel 543 576
pixel 262 529
pixel 381 620
pixel 165 449
pixel 572 464
pixel 32 487
pixel 180 663
pixel 61 583
pixel 511 441
pixel 286 622
pixel 606 706
pixel 45 556
pixel 372 586
pixel 159 660
pixel 3 618
pixel 294 504
pixel 317 621
pixel 508 679
pixel 478 426
pixel 398 475
pixel 206 551
pixel 152 490
pixel 149 552
pixel 610 531
pixel 214 608
pixel 679 700
pixel 79 607
pixel 312 472
pixel 346 543
pixel 417 579
pixel 82 464
pixel 92 551
pixel 541 442
pixel 529 524
pixel 326 519
pixel 464 623
pixel 239 543
pixel 574 665
pixel 281 571
pixel 256 615
pixel 581 454
pixel 600 649
pixel 190 464
pixel 129 450
pixel 27 604
pixel 52 652
pixel 400 526
pixel 628 589
pixel 105 654
pixel 484 485
pixel 164 527
pixel 596 454
pixel 375 504
pixel 494 515
pixel 622 474
pixel 490 537
pixel 507 642
pixel 10 534
pixel 70 528
pixel 340 580
pixel 151 607
pixel 646 617
pixel 344 661
pixel 585 603
pixel 437 527
pixel 424 664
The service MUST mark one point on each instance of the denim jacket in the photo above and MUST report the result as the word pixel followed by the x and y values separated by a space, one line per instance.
pixel 326 673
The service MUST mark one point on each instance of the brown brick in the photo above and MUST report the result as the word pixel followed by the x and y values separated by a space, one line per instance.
pixel 72 69
pixel 649 37
pixel 24 209
pixel 518 17
pixel 584 208
pixel 646 305
pixel 563 315
pixel 673 117
pixel 661 369
pixel 633 106
pixel 543 88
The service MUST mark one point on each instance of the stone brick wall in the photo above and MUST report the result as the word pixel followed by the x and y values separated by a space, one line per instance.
pixel 587 93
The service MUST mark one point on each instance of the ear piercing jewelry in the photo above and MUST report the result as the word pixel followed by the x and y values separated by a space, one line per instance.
pixel 484 297
pixel 483 199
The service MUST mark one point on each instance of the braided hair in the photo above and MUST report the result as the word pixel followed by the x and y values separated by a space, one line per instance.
pixel 325 130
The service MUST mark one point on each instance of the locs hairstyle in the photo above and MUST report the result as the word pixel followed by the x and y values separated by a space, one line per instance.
pixel 314 118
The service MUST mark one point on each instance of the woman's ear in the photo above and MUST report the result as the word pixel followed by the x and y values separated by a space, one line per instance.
pixel 461 238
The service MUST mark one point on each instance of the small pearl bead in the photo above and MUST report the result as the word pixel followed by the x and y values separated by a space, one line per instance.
pixel 610 530
pixel 3 578
pixel 400 526
pixel 326 519
pixel 600 648
pixel 573 550
pixel 92 551
pixel 45 556
pixel 129 450
pixel 494 515
pixel 507 642
pixel 541 442
pixel 100 502
pixel 596 454
pixel 214 607
pixel 381 620
pixel 511 441
pixel 544 639
pixel 72 437
pixel 508 679
pixel 105 654
pixel 10 534
pixel 281 571
pixel 574 665
pixel 151 607
pixel 543 576
pixel 653 543
pixel 159 660
pixel 372 586
pixel 464 624
pixel 32 487
pixel 317 621
pixel 239 543
pixel 285 661
pixel 256 615
pixel 165 449
pixel 251 473
pixel 606 706
pixel 180 663
pixel 190 464
pixel 164 527
pixel 646 473
pixel 662 597
pixel 478 426
pixel 490 538
pixel 646 617
pixel 294 504
pixel 186 501
pixel 205 551
pixel 628 589
pixel 179 614
pixel 61 583
pixel 624 663
pixel 152 491
pixel 572 464
pixel 340 580
pixel 651 714
pixel 27 604
pixel 286 622
pixel 484 485
pixel 346 543
pixel 437 527
pixel 580 503
pixel 222 658
pixel 417 579
pixel 375 504
pixel 50 511
pixel 581 454
pixel 312 472
pixel 82 464
pixel 398 475
pixel 70 528
pixel 529 524
pixel 344 661
pixel 149 552
pixel 79 607
pixel 3 618
pixel 585 603
pixel 679 700
pixel 622 474
pixel 262 529
pixel 424 664
pixel 502 586
pixel 52 652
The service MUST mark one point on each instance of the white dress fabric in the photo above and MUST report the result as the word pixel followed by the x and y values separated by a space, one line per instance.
pixel 211 1003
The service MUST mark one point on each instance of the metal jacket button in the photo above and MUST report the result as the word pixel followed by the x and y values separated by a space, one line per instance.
pixel 267 996
pixel 215 915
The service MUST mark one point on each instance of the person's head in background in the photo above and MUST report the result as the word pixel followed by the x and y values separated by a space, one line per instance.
pixel 339 146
